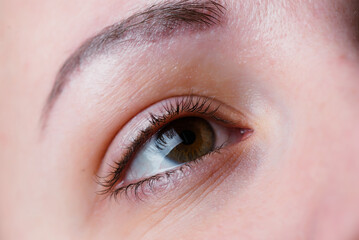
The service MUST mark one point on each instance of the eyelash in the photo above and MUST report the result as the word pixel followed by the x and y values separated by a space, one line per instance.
pixel 187 105
pixel 166 176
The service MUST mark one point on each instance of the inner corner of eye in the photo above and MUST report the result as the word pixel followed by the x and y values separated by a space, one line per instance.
pixel 181 141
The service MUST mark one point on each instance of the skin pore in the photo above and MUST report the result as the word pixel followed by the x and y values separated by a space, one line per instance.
pixel 288 70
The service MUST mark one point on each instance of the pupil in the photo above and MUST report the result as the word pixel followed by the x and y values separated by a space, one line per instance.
pixel 188 137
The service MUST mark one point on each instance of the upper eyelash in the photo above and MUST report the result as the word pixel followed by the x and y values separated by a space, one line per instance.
pixel 188 104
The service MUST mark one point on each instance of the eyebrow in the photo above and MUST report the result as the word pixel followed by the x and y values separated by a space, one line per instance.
pixel 157 22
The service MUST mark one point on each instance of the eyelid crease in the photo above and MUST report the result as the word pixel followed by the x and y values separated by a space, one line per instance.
pixel 196 105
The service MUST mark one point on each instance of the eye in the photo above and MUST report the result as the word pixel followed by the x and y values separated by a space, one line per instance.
pixel 180 132
pixel 181 141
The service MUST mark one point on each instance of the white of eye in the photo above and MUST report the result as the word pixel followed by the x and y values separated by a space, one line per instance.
pixel 151 160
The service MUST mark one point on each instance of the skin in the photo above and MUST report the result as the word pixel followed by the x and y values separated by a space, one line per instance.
pixel 290 67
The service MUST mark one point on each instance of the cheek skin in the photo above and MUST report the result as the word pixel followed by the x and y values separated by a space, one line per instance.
pixel 195 195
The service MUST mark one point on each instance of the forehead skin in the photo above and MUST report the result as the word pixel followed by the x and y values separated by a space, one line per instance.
pixel 306 52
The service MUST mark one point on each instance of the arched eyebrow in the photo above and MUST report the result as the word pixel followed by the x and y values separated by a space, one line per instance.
pixel 157 22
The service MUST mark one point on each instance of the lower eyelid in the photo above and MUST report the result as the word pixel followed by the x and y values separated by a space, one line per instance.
pixel 155 185
pixel 185 178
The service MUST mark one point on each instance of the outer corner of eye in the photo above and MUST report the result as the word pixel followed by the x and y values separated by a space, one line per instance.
pixel 179 132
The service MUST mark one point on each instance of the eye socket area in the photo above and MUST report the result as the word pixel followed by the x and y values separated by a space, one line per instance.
pixel 189 128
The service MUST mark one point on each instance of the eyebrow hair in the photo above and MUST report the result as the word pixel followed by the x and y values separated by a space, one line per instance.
pixel 157 22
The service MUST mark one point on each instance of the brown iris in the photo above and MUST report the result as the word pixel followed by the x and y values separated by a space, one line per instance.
pixel 196 136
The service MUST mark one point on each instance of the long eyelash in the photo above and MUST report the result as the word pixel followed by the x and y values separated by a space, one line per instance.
pixel 190 104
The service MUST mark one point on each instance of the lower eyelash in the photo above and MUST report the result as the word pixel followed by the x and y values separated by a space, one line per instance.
pixel 148 186
pixel 151 185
